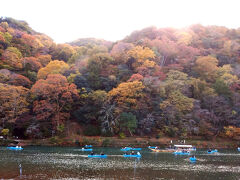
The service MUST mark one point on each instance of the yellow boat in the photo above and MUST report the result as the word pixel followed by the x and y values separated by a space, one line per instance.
pixel 163 150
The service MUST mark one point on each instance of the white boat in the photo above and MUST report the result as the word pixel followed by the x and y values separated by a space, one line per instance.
pixel 185 147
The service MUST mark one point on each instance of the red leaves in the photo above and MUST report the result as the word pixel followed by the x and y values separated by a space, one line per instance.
pixel 55 94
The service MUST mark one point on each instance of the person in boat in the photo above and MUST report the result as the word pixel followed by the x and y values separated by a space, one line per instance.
pixel 92 153
pixel 132 153
pixel 101 153
pixel 138 153
pixel 193 156
pixel 209 150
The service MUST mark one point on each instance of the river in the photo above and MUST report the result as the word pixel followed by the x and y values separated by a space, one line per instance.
pixel 71 163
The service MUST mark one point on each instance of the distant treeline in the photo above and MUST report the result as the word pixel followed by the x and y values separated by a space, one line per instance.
pixel 155 82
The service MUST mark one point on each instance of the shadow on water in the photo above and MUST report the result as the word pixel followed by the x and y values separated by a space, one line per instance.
pixel 70 163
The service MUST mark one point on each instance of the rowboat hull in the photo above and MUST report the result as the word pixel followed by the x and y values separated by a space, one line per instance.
pixel 136 156
pixel 15 148
pixel 163 150
pixel 97 156
pixel 87 149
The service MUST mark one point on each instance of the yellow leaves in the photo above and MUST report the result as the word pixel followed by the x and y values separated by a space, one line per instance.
pixel 149 64
pixel 140 52
pixel 206 66
pixel 142 55
pixel 176 99
pixel 54 67
pixel 127 93
pixel 184 37
pixel 229 79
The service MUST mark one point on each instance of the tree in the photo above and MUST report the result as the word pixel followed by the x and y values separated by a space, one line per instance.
pixel 12 57
pixel 207 68
pixel 13 100
pixel 54 67
pixel 142 55
pixel 180 102
pixel 53 98
pixel 127 95
pixel 119 52
pixel 232 131
pixel 128 122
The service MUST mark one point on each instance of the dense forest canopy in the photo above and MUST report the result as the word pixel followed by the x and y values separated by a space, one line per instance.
pixel 171 82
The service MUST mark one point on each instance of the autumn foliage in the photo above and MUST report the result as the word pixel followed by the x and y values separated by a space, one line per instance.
pixel 180 82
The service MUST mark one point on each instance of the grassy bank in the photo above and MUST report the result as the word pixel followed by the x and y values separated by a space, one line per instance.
pixel 129 141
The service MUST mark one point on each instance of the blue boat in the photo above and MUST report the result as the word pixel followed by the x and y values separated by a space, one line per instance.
pixel 84 149
pixel 88 146
pixel 136 149
pixel 152 147
pixel 133 155
pixel 212 151
pixel 181 153
pixel 126 149
pixel 97 156
pixel 193 159
pixel 15 148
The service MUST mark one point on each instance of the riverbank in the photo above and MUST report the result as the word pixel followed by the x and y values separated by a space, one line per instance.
pixel 129 141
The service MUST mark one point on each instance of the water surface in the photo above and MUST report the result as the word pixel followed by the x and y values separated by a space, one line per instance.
pixel 72 163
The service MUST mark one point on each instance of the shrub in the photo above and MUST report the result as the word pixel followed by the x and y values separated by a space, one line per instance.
pixel 107 134
pixel 5 132
pixel 122 135
pixel 92 131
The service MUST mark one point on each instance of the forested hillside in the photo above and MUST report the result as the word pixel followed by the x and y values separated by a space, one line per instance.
pixel 164 82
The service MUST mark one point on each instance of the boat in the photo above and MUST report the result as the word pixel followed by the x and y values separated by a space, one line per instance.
pixel 88 146
pixel 15 148
pixel 126 149
pixel 185 147
pixel 97 156
pixel 152 147
pixel 163 150
pixel 238 148
pixel 193 159
pixel 85 149
pixel 133 155
pixel 212 151
pixel 181 152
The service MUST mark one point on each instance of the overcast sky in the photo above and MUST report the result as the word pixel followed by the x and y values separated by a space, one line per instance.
pixel 68 20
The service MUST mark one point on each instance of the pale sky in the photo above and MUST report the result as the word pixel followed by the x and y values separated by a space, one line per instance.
pixel 68 20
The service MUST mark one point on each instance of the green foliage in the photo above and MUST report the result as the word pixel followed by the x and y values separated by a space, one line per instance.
pixel 221 88
pixel 128 122
pixel 61 128
pixel 91 130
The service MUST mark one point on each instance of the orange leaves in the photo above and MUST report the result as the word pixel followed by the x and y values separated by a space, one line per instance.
pixel 12 57
pixel 54 67
pixel 232 131
pixel 13 100
pixel 127 94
